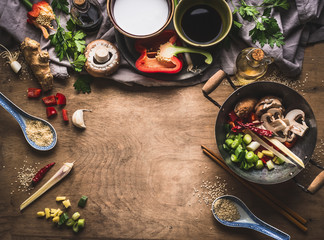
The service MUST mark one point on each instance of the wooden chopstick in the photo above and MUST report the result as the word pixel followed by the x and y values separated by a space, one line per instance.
pixel 280 207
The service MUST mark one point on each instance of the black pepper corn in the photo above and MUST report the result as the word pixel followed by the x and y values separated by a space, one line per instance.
pixel 40 174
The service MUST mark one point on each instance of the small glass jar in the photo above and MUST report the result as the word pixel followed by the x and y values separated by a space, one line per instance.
pixel 86 14
pixel 251 64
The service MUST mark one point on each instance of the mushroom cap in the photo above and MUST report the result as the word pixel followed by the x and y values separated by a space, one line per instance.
pixel 103 58
pixel 266 103
pixel 244 107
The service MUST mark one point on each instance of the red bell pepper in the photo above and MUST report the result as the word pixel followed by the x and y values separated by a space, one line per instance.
pixel 49 100
pixel 158 54
pixel 40 15
pixel 34 92
pixel 65 115
pixel 50 112
pixel 61 99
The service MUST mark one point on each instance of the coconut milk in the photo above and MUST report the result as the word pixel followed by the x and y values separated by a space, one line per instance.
pixel 141 17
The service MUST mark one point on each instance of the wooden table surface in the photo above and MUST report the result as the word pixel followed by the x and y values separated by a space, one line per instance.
pixel 140 163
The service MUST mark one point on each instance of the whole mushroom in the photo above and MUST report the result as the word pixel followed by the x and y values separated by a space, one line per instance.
pixel 103 58
pixel 244 107
pixel 266 103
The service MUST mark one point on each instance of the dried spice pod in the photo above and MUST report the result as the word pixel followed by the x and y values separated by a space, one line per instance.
pixel 41 173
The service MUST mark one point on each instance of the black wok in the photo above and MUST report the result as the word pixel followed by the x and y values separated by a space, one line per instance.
pixel 291 100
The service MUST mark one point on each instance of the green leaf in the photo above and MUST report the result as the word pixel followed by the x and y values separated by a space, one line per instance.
pixel 61 5
pixel 79 35
pixel 82 84
pixel 79 62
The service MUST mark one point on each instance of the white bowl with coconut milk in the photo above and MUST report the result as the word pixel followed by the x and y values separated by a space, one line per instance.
pixel 140 18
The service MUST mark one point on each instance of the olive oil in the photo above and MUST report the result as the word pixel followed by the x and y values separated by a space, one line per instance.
pixel 201 24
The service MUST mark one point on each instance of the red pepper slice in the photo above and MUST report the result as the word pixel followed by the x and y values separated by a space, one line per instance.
pixel 40 174
pixel 49 100
pixel 50 112
pixel 61 99
pixel 148 48
pixel 65 115
pixel 34 92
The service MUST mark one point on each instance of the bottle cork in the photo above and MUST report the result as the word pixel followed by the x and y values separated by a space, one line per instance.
pixel 258 54
pixel 79 2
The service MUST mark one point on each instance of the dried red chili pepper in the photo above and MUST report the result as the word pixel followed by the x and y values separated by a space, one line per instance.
pixel 40 174
pixel 50 112
pixel 49 100
pixel 34 92
pixel 61 99
pixel 239 126
pixel 65 115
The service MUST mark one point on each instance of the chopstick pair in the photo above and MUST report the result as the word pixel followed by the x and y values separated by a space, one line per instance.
pixel 277 205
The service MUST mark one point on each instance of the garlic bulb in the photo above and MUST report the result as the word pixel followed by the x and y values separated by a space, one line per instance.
pixel 77 118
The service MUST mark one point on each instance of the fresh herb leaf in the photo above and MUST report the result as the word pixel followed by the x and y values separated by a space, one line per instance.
pixel 61 5
pixel 69 44
pixel 266 29
pixel 82 84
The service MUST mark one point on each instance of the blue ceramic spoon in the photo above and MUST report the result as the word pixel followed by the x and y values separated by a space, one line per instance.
pixel 249 220
pixel 21 118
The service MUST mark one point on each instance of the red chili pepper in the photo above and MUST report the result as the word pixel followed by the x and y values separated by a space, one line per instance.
pixel 50 111
pixel 240 126
pixel 61 99
pixel 34 92
pixel 49 100
pixel 65 115
pixel 40 174
pixel 148 48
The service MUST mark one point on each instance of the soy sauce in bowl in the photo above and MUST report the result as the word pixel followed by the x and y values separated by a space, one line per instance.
pixel 201 24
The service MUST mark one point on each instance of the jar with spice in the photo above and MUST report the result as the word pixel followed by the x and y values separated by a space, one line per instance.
pixel 86 14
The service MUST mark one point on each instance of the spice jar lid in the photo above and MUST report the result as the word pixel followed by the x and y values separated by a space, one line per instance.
pixel 101 54
pixel 257 54
pixel 79 2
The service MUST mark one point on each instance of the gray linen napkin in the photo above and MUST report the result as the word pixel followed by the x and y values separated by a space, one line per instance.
pixel 303 23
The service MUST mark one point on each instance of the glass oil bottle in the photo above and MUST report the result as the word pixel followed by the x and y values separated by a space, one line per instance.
pixel 251 64
pixel 86 14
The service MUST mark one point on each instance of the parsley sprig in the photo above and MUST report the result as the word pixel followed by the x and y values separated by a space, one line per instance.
pixel 83 84
pixel 61 5
pixel 70 44
pixel 266 29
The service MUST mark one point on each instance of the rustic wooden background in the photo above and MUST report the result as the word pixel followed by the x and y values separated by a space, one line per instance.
pixel 140 163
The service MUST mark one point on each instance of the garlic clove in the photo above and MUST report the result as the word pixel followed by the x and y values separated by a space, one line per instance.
pixel 77 118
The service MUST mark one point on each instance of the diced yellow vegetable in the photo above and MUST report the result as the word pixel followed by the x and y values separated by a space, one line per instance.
pixel 47 213
pixel 56 219
pixel 40 214
pixel 60 198
pixel 66 203
pixel 268 153
pixel 56 212
pixel 59 213
pixel 53 210
pixel 260 155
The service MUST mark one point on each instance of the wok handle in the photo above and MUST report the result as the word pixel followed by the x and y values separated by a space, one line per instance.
pixel 317 183
pixel 213 82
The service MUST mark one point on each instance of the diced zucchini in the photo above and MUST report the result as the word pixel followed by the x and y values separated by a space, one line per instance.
pixel 270 165
pixel 247 138
pixel 278 160
pixel 259 164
